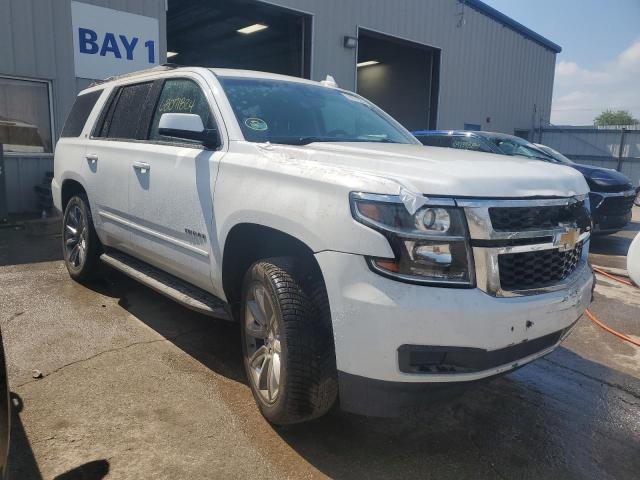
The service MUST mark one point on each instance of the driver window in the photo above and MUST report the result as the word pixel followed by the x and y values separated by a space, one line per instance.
pixel 180 96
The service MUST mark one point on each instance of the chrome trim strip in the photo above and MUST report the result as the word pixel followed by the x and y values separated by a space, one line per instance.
pixel 433 201
pixel 534 247
pixel 481 228
pixel 153 233
pixel 531 202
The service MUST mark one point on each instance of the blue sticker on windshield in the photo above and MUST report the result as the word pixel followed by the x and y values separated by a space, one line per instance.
pixel 256 124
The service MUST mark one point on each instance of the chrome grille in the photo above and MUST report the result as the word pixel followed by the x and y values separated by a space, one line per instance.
pixel 528 246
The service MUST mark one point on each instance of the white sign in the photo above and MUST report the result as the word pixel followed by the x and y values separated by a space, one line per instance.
pixel 109 42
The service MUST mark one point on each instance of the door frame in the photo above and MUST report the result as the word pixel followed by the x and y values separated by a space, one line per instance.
pixel 434 93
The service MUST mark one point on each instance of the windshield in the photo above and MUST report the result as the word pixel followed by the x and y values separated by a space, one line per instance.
pixel 466 142
pixel 296 113
pixel 560 158
pixel 518 146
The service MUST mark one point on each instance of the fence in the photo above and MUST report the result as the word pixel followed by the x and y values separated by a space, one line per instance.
pixel 613 148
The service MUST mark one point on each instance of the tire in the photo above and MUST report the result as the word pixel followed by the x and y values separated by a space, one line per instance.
pixel 80 243
pixel 288 331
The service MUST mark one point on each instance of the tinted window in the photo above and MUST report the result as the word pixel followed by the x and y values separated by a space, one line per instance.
pixel 181 96
pixel 79 114
pixel 298 113
pixel 516 146
pixel 127 112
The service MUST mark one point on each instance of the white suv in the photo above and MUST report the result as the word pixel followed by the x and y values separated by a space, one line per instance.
pixel 361 265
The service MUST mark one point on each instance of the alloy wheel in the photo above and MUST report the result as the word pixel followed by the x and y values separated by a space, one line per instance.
pixel 75 237
pixel 262 340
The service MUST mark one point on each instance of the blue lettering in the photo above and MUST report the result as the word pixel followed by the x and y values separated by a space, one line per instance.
pixel 110 45
pixel 151 50
pixel 88 41
pixel 129 46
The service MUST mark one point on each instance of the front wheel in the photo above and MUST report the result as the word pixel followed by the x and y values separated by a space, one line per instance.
pixel 287 341
pixel 80 244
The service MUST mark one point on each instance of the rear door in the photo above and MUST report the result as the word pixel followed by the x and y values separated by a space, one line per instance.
pixel 108 158
pixel 171 186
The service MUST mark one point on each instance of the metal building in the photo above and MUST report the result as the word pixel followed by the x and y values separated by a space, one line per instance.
pixel 430 63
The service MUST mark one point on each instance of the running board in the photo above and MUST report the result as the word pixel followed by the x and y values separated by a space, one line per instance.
pixel 162 282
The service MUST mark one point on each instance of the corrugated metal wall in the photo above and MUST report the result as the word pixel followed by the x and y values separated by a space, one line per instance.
pixel 36 42
pixel 24 174
pixel 488 70
pixel 597 147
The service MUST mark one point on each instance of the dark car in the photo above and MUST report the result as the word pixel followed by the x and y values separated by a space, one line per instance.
pixel 612 194
pixel 5 413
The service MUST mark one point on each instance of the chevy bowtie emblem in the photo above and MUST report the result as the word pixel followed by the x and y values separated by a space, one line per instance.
pixel 567 240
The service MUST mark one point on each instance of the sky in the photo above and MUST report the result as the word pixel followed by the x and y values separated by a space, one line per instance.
pixel 599 66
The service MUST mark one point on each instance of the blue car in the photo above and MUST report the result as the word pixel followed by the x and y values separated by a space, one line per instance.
pixel 612 194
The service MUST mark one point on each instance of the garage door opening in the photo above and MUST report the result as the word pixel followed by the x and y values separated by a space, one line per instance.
pixel 401 77
pixel 239 34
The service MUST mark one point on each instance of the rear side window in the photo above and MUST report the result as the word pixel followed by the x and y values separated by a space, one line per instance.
pixel 79 114
pixel 124 119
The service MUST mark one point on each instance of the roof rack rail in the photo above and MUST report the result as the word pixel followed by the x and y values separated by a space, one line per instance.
pixel 157 68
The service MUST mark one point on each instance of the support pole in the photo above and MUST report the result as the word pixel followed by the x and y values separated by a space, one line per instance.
pixel 620 150
pixel 4 215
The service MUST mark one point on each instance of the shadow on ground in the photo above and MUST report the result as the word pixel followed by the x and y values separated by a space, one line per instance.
pixel 561 417
pixel 17 247
pixel 21 462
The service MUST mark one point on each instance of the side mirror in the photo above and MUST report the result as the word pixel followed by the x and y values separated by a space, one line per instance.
pixel 188 126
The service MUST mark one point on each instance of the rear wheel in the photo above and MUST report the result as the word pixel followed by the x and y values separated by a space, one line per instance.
pixel 287 341
pixel 80 243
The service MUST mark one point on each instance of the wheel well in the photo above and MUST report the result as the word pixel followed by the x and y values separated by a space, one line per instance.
pixel 248 243
pixel 69 189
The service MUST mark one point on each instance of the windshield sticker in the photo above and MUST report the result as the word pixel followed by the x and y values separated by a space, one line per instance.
pixel 256 124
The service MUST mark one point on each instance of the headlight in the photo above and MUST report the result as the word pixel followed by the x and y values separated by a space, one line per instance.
pixel 431 246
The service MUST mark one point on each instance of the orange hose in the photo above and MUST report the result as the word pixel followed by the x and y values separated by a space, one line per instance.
pixel 612 277
pixel 595 320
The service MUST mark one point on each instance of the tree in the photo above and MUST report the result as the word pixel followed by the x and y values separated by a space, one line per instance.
pixel 615 117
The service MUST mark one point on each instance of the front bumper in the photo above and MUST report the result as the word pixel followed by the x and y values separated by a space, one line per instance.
pixel 611 211
pixel 373 317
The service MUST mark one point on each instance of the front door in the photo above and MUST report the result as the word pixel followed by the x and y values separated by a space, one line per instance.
pixel 171 189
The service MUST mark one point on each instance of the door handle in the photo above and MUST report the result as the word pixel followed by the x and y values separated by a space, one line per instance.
pixel 143 167
pixel 92 158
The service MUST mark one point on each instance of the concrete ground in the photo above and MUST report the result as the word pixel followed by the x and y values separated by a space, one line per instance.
pixel 135 386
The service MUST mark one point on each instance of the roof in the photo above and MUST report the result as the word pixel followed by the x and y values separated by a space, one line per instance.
pixel 512 24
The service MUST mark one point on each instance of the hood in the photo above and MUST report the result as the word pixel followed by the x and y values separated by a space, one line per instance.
pixel 604 179
pixel 447 171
